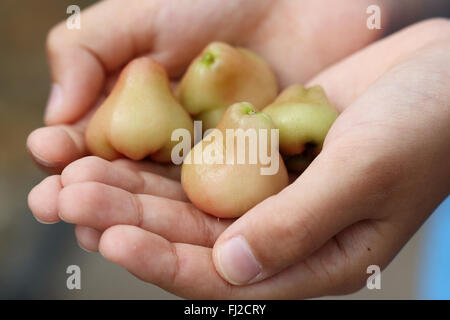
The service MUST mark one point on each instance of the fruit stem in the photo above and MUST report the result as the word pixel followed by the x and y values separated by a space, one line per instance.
pixel 208 58
pixel 248 108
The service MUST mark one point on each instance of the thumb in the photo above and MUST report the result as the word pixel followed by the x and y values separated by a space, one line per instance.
pixel 81 58
pixel 286 228
pixel 77 79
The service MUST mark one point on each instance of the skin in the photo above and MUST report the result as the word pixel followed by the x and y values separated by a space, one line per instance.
pixel 222 75
pixel 229 190
pixel 138 117
pixel 397 128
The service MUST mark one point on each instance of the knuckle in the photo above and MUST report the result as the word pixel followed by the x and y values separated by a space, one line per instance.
pixel 139 209
pixel 207 231
pixel 335 271
pixel 176 265
pixel 343 273
pixel 204 234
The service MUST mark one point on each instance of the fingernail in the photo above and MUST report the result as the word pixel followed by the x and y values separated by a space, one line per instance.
pixel 237 262
pixel 54 101
pixel 45 222
pixel 38 159
pixel 83 248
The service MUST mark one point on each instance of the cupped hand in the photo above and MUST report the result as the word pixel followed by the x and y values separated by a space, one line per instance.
pixel 84 63
pixel 358 203
pixel 96 194
pixel 382 171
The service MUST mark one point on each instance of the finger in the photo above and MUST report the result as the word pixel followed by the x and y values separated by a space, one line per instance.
pixel 339 267
pixel 185 270
pixel 166 170
pixel 43 200
pixel 369 64
pixel 54 147
pixel 100 206
pixel 106 172
pixel 81 59
pixel 87 238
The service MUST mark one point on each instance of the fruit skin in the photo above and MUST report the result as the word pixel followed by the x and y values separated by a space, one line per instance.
pixel 138 117
pixel 222 75
pixel 303 117
pixel 230 190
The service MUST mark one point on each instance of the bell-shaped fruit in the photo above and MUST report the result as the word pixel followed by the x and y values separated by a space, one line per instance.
pixel 235 166
pixel 303 117
pixel 221 76
pixel 138 117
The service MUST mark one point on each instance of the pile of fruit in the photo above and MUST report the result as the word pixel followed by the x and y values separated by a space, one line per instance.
pixel 225 88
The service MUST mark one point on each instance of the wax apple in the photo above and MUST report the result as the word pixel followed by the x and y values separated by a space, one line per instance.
pixel 138 117
pixel 222 75
pixel 303 117
pixel 229 189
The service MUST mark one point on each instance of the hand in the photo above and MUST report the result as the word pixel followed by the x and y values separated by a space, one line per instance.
pixel 85 63
pixel 383 170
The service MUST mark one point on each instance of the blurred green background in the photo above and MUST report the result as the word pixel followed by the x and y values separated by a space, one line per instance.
pixel 33 256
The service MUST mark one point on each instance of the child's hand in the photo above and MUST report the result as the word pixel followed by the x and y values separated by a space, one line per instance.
pixel 383 170
pixel 85 62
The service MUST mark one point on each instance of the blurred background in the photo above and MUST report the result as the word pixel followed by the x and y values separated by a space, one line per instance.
pixel 34 257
